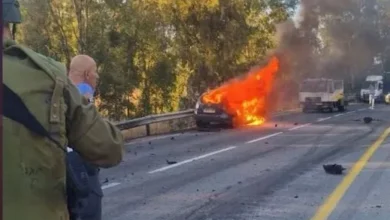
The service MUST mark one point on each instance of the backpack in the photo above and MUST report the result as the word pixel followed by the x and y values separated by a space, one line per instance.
pixel 78 172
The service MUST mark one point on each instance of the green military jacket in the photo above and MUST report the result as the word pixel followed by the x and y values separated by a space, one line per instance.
pixel 34 167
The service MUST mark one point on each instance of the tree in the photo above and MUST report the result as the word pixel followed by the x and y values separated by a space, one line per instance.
pixel 155 55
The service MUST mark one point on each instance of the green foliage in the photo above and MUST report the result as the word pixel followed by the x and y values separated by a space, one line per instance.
pixel 155 55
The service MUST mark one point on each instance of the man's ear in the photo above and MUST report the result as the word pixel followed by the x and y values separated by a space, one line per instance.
pixel 86 74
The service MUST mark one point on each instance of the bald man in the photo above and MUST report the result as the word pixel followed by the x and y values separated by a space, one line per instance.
pixel 83 73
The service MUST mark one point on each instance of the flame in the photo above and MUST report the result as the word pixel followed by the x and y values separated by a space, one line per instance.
pixel 245 99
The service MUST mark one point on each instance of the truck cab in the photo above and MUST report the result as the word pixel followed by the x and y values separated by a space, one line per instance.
pixel 374 82
pixel 320 94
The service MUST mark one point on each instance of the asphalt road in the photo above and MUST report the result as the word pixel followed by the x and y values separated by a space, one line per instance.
pixel 273 171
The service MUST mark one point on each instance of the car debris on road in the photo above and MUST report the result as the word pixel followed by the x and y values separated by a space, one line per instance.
pixel 334 169
pixel 367 120
pixel 170 162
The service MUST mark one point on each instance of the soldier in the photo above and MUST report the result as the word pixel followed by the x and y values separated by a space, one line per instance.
pixel 34 166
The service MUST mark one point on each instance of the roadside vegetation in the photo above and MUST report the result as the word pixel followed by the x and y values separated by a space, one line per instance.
pixel 158 56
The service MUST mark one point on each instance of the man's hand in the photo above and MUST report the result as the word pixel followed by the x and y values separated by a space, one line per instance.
pixel 89 97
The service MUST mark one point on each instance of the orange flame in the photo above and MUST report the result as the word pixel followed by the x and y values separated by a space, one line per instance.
pixel 245 99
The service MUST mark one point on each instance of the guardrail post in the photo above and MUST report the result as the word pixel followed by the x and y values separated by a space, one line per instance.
pixel 148 130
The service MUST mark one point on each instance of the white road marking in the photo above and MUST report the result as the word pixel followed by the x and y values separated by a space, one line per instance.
pixel 350 112
pixel 324 119
pixel 298 127
pixel 191 160
pixel 263 138
pixel 362 109
pixel 110 185
pixel 338 115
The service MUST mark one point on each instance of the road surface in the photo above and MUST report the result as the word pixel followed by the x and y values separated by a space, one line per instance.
pixel 273 171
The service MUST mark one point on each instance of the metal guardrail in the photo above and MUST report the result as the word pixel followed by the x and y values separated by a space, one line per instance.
pixel 150 119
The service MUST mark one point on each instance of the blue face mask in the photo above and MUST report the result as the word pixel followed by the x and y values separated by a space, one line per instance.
pixel 86 90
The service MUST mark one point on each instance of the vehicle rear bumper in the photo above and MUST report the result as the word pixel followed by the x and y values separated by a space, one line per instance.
pixel 213 118
pixel 317 105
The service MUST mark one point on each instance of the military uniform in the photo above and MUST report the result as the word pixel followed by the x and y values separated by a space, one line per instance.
pixel 34 167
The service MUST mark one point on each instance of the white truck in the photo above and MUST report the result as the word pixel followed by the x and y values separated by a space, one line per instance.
pixel 322 94
pixel 375 83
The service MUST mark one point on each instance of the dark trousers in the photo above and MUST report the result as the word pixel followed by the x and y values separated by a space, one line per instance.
pixel 93 204
pixel 90 207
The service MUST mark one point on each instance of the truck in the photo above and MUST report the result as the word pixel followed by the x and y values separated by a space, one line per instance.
pixel 376 83
pixel 322 94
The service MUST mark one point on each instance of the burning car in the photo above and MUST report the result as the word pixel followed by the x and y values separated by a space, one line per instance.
pixel 241 101
pixel 211 113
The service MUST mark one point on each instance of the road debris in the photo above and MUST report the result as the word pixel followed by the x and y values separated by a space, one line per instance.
pixel 171 162
pixel 334 169
pixel 367 120
pixel 296 123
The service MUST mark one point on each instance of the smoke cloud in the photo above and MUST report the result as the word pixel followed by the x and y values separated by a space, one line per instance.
pixel 336 39
pixel 331 38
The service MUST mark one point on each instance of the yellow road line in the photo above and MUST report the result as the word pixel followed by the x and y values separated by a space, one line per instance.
pixel 330 203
